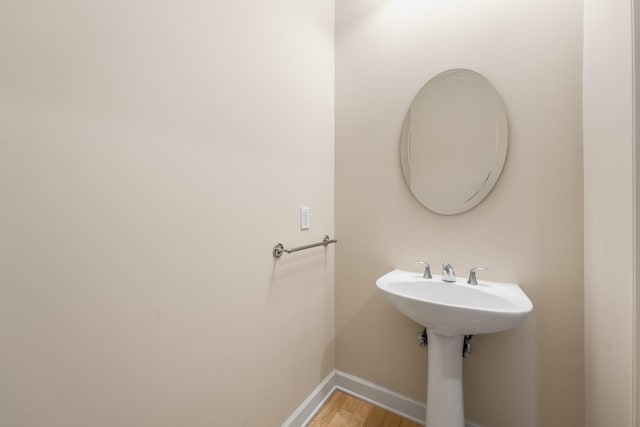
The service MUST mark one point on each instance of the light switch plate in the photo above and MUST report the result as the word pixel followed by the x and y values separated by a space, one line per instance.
pixel 304 218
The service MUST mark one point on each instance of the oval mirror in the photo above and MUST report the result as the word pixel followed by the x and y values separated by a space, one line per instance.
pixel 454 141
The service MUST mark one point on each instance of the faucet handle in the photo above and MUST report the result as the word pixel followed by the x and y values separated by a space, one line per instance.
pixel 448 275
pixel 427 269
pixel 472 275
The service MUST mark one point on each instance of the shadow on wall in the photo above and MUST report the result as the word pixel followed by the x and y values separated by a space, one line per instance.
pixel 351 11
pixel 389 339
pixel 294 275
pixel 299 304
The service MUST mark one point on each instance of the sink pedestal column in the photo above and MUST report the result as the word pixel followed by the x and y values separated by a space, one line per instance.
pixel 445 406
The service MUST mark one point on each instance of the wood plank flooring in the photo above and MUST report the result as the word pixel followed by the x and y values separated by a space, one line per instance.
pixel 344 410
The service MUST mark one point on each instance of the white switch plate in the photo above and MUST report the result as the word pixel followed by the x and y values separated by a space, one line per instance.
pixel 304 218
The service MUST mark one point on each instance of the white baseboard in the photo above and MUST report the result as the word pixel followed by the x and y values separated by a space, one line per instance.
pixel 380 396
pixel 362 389
pixel 305 412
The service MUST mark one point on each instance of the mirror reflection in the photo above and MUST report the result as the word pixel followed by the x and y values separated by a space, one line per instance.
pixel 454 141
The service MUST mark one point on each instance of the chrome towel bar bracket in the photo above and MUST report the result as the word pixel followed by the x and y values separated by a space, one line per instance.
pixel 279 248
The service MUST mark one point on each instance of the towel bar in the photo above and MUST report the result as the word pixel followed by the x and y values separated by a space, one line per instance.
pixel 279 248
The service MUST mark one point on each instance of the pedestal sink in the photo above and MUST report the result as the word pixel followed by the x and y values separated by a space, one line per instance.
pixel 449 311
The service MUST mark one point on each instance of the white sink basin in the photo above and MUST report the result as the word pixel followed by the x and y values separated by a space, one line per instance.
pixel 452 309
pixel 449 311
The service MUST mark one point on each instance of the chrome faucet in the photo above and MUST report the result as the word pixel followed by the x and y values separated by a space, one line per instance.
pixel 472 275
pixel 427 269
pixel 448 275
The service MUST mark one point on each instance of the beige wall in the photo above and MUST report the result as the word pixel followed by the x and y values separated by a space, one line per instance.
pixel 529 230
pixel 151 154
pixel 608 211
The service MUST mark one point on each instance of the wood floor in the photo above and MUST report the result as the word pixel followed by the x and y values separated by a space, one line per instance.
pixel 344 410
